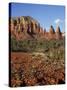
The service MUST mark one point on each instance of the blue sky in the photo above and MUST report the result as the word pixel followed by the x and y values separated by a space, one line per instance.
pixel 46 15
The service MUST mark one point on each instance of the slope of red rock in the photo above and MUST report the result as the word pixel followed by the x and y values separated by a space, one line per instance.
pixel 26 27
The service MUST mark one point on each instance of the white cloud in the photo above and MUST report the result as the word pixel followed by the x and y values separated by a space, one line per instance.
pixel 58 21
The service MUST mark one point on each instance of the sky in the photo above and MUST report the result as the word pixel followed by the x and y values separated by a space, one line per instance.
pixel 46 15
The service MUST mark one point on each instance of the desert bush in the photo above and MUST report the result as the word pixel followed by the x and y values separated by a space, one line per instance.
pixel 56 54
pixel 35 45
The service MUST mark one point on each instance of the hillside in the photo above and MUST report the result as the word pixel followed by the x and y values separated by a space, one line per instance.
pixel 26 27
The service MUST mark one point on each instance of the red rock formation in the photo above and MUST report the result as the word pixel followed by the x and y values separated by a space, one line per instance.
pixel 58 33
pixel 51 32
pixel 44 31
pixel 26 27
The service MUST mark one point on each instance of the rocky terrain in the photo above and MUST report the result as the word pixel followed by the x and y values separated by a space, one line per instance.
pixel 26 27
pixel 37 57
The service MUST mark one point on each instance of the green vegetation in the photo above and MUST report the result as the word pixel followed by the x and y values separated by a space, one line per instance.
pixel 54 49
pixel 35 45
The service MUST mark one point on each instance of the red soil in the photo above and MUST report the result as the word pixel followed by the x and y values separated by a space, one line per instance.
pixel 28 71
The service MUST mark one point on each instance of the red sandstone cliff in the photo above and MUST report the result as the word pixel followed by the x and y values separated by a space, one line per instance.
pixel 26 27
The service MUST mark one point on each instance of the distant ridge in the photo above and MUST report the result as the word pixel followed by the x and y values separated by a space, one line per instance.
pixel 26 27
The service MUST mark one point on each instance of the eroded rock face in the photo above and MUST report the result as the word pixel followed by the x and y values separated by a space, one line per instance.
pixel 58 33
pixel 51 33
pixel 26 27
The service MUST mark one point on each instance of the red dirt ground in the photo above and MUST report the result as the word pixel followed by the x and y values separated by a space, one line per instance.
pixel 28 70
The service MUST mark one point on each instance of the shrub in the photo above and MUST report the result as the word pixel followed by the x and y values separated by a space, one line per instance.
pixel 35 45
